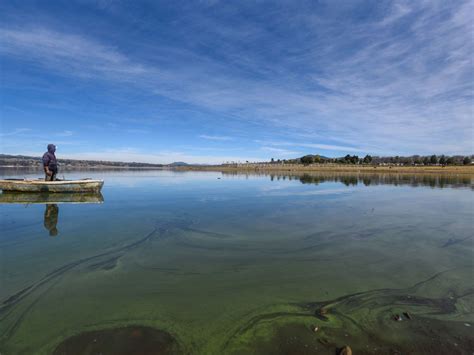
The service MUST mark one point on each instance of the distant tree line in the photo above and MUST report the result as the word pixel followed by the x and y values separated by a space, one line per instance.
pixel 413 160
pixel 26 161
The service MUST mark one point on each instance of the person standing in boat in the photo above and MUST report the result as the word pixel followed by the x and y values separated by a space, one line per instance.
pixel 50 163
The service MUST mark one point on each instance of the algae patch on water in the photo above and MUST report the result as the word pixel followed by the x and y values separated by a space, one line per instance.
pixel 427 318
pixel 127 341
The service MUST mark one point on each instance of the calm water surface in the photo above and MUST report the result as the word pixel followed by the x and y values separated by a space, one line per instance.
pixel 212 263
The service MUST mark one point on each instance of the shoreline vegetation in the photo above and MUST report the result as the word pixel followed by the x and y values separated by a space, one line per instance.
pixel 298 168
pixel 309 163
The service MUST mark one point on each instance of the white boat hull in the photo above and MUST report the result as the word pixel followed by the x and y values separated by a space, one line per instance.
pixel 70 186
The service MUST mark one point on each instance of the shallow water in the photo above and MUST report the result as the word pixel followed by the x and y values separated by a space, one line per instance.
pixel 212 263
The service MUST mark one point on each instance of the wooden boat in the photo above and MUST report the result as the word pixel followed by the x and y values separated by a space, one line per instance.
pixel 48 199
pixel 25 185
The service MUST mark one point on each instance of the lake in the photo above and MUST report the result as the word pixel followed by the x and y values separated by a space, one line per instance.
pixel 219 263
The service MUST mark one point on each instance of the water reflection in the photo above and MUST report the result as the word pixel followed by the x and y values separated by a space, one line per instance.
pixel 51 202
pixel 368 179
pixel 48 198
pixel 51 219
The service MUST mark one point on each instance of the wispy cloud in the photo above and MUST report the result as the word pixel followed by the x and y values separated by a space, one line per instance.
pixel 25 140
pixel 332 147
pixel 273 146
pixel 215 138
pixel 68 53
pixel 279 151
pixel 399 82
pixel 65 133
pixel 14 132
pixel 137 131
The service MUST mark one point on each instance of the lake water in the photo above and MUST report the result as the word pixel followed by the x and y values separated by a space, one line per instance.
pixel 213 263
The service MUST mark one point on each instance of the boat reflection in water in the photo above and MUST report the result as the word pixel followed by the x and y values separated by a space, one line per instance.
pixel 51 202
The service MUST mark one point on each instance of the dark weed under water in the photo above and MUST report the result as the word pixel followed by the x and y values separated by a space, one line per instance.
pixel 130 340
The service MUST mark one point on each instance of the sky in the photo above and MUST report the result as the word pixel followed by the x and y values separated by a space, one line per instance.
pixel 217 81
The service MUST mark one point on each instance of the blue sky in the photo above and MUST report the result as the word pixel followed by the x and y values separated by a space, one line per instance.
pixel 214 81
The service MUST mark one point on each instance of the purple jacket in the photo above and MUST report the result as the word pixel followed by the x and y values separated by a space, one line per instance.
pixel 49 160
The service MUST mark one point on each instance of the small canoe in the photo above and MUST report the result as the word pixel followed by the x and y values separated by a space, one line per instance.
pixel 24 185
pixel 47 198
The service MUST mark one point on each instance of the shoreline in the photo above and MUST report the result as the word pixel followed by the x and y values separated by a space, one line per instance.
pixel 71 168
pixel 292 168
pixel 281 168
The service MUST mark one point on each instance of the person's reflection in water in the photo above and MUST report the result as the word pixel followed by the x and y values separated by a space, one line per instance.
pixel 51 219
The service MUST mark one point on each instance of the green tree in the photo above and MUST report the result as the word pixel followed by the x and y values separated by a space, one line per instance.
pixel 442 160
pixel 307 159
pixel 467 161
pixel 434 159
pixel 426 161
pixel 450 161
pixel 367 159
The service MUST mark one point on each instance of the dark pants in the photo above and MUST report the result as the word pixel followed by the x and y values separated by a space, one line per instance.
pixel 50 178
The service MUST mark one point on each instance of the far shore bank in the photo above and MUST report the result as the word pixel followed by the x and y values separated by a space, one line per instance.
pixel 278 168
pixel 296 168
pixel 72 168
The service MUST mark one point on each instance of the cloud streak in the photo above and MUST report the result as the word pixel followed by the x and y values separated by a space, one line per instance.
pixel 15 132
pixel 215 138
pixel 70 54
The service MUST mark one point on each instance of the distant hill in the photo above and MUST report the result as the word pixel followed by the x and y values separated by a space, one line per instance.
pixel 21 161
pixel 178 163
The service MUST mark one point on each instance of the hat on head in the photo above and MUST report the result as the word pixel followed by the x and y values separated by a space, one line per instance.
pixel 51 147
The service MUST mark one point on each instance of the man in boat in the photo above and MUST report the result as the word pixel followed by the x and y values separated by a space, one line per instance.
pixel 50 163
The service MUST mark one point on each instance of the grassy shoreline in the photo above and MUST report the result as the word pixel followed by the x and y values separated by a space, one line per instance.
pixel 296 168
